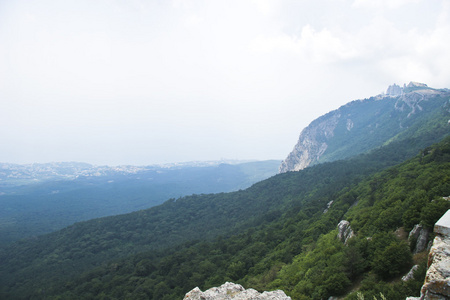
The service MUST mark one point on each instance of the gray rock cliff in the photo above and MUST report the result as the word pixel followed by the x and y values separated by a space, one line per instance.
pixel 233 291
pixel 437 279
pixel 312 143
pixel 363 125
pixel 416 84
pixel 394 90
pixel 419 236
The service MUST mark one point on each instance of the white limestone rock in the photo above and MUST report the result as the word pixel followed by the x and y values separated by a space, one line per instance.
pixel 437 279
pixel 442 226
pixel 312 143
pixel 415 232
pixel 416 84
pixel 419 235
pixel 394 90
pixel 345 232
pixel 233 291
pixel 410 274
pixel 422 240
pixel 328 206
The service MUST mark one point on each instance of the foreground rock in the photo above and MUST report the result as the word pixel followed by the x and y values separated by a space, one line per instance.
pixel 229 290
pixel 437 279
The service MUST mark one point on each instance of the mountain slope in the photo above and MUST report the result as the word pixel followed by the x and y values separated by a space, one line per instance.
pixel 362 125
pixel 295 249
pixel 299 251
pixel 66 193
pixel 49 261
pixel 246 236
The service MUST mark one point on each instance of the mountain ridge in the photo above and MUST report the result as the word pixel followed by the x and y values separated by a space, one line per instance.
pixel 383 118
pixel 19 174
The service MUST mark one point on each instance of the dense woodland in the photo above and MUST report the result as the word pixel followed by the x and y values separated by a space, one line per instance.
pixel 277 234
pixel 31 209
pixel 299 251
pixel 272 235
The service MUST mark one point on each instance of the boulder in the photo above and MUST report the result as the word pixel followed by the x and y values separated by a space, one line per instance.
pixel 233 291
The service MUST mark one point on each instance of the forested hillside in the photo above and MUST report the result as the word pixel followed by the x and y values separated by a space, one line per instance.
pixel 257 237
pixel 279 233
pixel 47 197
pixel 299 251
pixel 362 125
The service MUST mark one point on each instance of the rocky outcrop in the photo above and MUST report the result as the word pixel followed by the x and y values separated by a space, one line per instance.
pixel 410 274
pixel 312 143
pixel 413 84
pixel 419 236
pixel 345 232
pixel 437 279
pixel 362 125
pixel 328 206
pixel 394 90
pixel 233 291
pixel 414 233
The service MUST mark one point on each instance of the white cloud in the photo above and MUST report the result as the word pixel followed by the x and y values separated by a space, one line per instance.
pixel 425 55
pixel 389 4
pixel 248 72
pixel 381 43
pixel 194 20
pixel 312 46
pixel 264 6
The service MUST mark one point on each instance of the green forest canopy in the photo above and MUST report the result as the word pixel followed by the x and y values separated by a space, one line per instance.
pixel 272 235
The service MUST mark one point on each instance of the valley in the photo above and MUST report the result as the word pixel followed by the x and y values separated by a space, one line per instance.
pixel 42 198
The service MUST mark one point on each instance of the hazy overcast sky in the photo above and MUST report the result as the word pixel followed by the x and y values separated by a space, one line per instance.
pixel 143 82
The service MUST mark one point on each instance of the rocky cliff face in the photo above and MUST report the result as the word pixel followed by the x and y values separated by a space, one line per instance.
pixel 312 143
pixel 437 279
pixel 232 291
pixel 394 90
pixel 362 125
pixel 419 237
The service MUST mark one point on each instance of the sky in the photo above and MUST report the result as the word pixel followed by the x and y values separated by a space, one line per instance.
pixel 147 82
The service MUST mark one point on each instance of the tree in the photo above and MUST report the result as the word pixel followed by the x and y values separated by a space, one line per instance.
pixel 434 211
pixel 392 261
